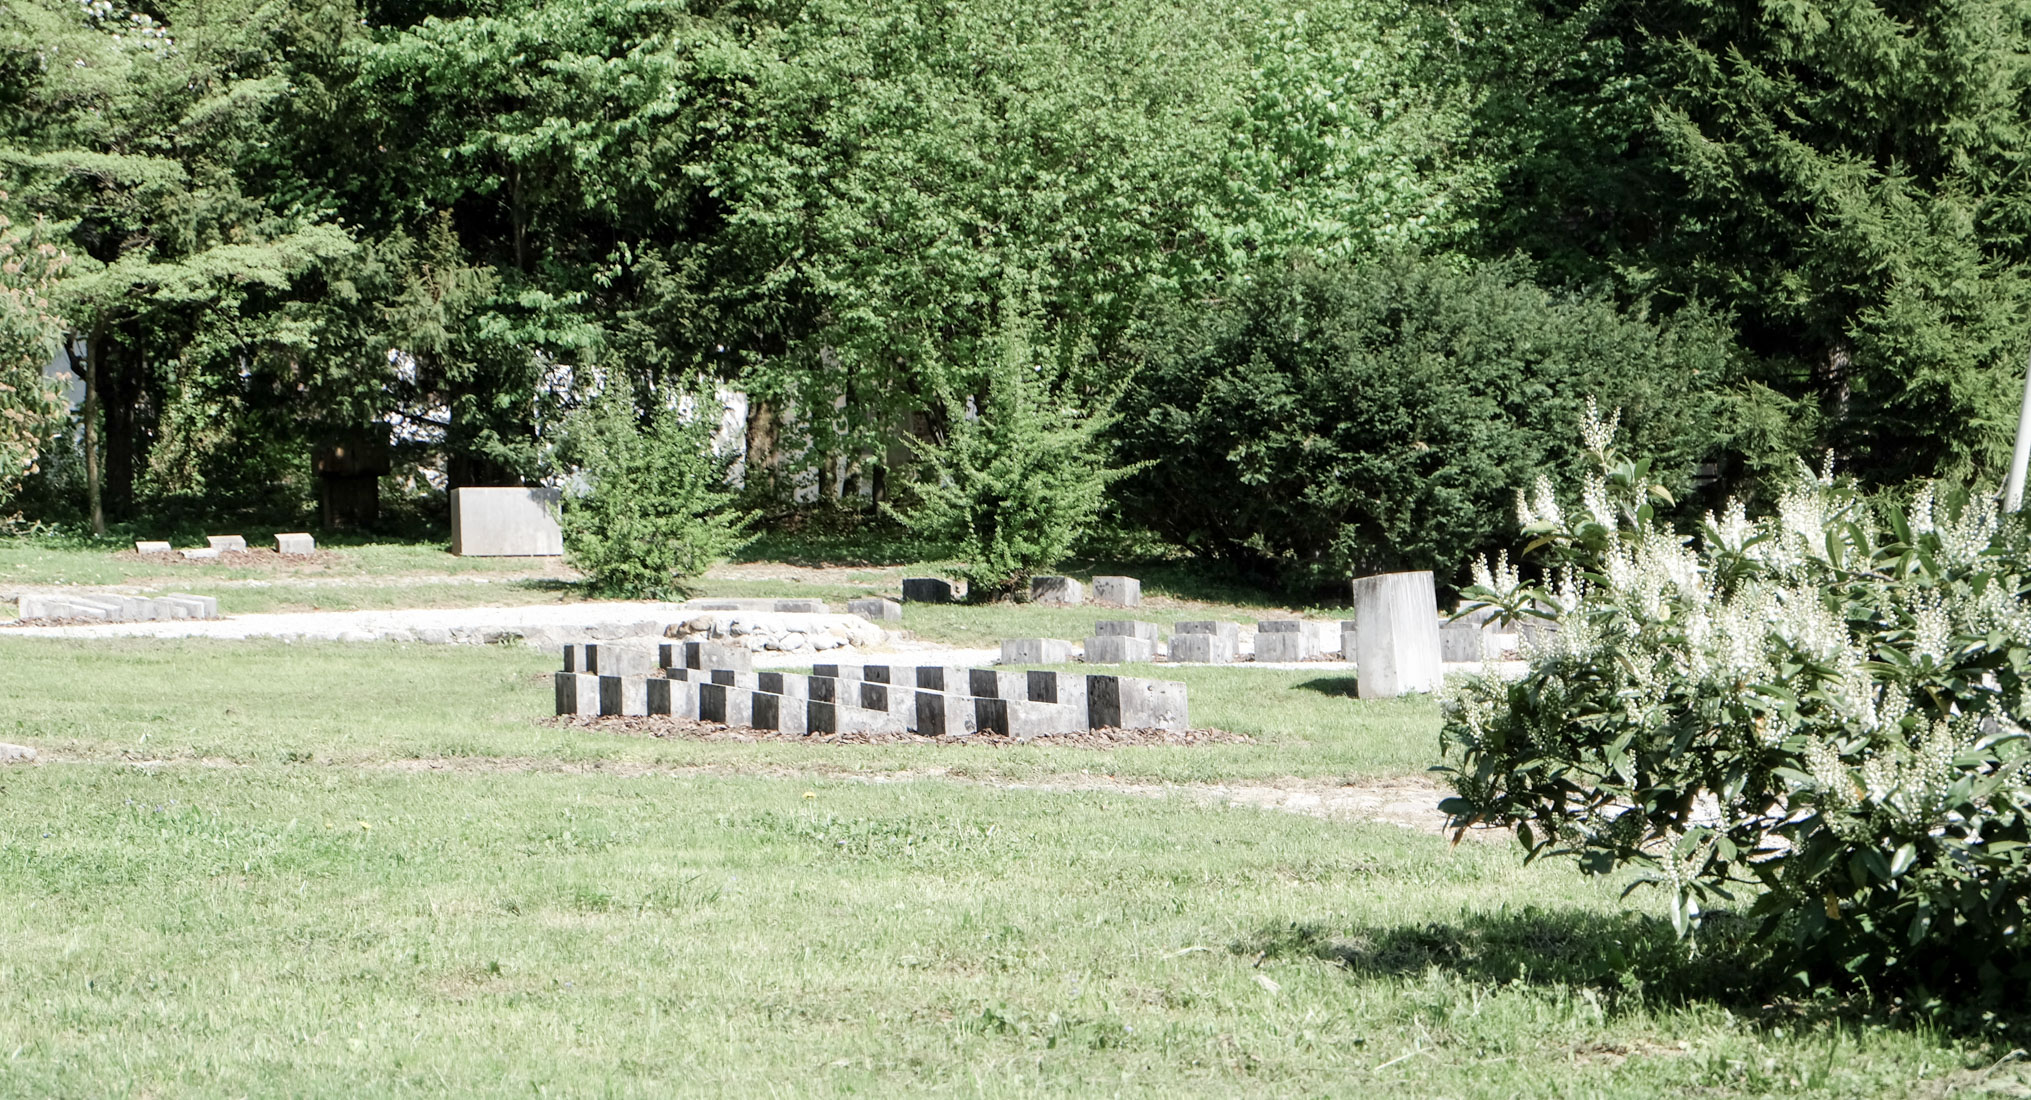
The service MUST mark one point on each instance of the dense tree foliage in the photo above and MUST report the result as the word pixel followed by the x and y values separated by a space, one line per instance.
pixel 289 222
pixel 1336 420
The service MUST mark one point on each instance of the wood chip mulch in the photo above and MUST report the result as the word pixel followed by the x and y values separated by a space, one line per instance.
pixel 684 728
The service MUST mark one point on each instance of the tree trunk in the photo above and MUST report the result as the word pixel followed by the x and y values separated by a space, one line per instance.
pixel 121 380
pixel 93 489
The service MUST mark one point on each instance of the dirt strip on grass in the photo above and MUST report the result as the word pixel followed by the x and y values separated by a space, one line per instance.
pixel 684 729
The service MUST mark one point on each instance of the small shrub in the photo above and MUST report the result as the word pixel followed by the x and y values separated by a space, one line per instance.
pixel 656 509
pixel 1016 484
pixel 1811 716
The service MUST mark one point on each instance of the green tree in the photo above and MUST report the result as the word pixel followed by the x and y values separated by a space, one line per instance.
pixel 656 510
pixel 30 332
pixel 1022 471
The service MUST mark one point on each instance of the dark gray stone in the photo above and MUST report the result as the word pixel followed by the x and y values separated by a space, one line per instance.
pixel 876 609
pixel 932 590
pixel 624 695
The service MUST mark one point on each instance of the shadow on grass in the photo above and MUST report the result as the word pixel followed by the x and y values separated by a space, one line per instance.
pixel 1631 959
pixel 1340 687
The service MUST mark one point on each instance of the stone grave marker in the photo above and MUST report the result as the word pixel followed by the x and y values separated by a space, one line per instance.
pixel 932 590
pixel 1118 591
pixel 1396 635
pixel 297 543
pixel 506 523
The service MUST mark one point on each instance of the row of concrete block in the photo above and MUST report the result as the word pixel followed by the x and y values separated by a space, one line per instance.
pixel 932 701
pixel 119 609
pixel 294 543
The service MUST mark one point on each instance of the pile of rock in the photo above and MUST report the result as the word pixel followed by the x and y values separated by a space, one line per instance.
pixel 778 626
pixel 118 609
pixel 717 683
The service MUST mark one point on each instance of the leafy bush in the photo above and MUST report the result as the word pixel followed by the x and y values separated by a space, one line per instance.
pixel 1328 420
pixel 30 332
pixel 657 509
pixel 1017 481
pixel 1812 716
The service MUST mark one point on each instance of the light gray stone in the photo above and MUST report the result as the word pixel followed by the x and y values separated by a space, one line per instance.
pixel 1202 649
pixel 1118 591
pixel 1462 640
pixel 996 683
pixel 842 718
pixel 1396 635
pixel 151 548
pixel 577 693
pixel 200 555
pixel 1124 702
pixel 506 522
pixel 783 713
pixel 1022 719
pixel 619 659
pixel 932 590
pixel 800 607
pixel 15 754
pixel 1035 651
pixel 1229 631
pixel 1280 626
pixel 227 544
pixel 706 655
pixel 1114 649
pixel 1057 590
pixel 875 609
pixel 1285 645
pixel 724 704
pixel 1128 628
pixel 296 543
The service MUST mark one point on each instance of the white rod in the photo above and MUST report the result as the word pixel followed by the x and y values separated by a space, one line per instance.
pixel 2013 489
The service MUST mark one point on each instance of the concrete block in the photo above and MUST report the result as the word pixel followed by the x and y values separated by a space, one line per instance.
pixel 151 548
pixel 996 683
pixel 1128 628
pixel 199 555
pixel 574 657
pixel 1067 688
pixel 626 695
pixel 940 715
pixel 782 713
pixel 1035 651
pixel 1118 591
pixel 1280 626
pixel 577 693
pixel 673 697
pixel 1114 649
pixel 612 659
pixel 1462 640
pixel 298 543
pixel 225 544
pixel 875 609
pixel 196 607
pixel 1057 590
pixel 1124 702
pixel 784 683
pixel 506 522
pixel 1229 631
pixel 1325 638
pixel 1203 649
pixel 938 677
pixel 800 607
pixel 932 590
pixel 841 718
pixel 1396 635
pixel 726 705
pixel 1285 645
pixel 709 655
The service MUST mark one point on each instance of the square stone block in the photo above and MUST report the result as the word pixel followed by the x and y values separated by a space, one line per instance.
pixel 625 695
pixel 577 693
pixel 297 543
pixel 725 705
pixel 1115 649
pixel 1280 626
pixel 151 548
pixel 1462 640
pixel 199 607
pixel 940 715
pixel 1067 688
pixel 1203 649
pixel 1128 628
pixel 506 523
pixel 782 713
pixel 997 683
pixel 1035 651
pixel 619 659
pixel 875 609
pixel 1118 591
pixel 675 698
pixel 710 655
pixel 227 543
pixel 801 607
pixel 1125 702
pixel 1057 590
pixel 932 590
pixel 1285 645
pixel 1229 631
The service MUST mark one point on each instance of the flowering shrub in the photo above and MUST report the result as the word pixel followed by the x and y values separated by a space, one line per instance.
pixel 1811 717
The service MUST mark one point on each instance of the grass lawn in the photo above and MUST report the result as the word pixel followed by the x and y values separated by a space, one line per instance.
pixel 259 870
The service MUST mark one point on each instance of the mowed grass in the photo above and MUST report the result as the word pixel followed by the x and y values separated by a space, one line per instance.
pixel 338 870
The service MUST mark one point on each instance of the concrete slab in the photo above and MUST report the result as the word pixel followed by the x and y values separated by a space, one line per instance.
pixel 1128 628
pixel 1115 649
pixel 227 543
pixel 506 522
pixel 1125 702
pixel 1035 651
pixel 1201 649
pixel 151 548
pixel 876 610
pixel 624 695
pixel 298 542
pixel 1285 645
pixel 1118 591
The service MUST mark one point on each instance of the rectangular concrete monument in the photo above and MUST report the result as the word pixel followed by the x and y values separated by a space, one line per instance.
pixel 1125 702
pixel 876 610
pixel 151 548
pixel 1057 590
pixel 1229 631
pixel 506 523
pixel 1128 628
pixel 1118 591
pixel 932 590
pixel 1396 635
pixel 225 544
pixel 1202 649
pixel 577 693
pixel 297 543
pixel 1114 649
pixel 1283 640
pixel 1035 651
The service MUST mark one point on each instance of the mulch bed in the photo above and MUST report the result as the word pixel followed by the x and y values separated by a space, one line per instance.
pixel 250 558
pixel 686 729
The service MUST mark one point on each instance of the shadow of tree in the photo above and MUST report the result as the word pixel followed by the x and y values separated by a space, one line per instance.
pixel 1632 959
pixel 1338 686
